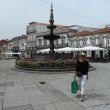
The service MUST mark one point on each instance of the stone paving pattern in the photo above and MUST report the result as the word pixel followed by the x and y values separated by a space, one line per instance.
pixel 21 90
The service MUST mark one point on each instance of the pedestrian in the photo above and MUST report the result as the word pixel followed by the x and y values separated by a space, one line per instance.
pixel 82 67
pixel 18 57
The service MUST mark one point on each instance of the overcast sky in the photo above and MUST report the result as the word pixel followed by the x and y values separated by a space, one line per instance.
pixel 16 14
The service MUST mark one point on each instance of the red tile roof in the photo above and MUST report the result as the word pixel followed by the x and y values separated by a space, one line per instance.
pixel 3 42
pixel 83 33
pixel 22 37
pixel 103 30
pixel 19 37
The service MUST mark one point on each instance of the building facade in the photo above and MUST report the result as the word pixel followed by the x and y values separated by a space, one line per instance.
pixel 36 31
pixel 3 47
pixel 99 38
pixel 22 43
pixel 32 29
pixel 13 45
pixel 18 44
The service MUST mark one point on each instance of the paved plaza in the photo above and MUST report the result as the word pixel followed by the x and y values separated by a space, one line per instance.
pixel 22 90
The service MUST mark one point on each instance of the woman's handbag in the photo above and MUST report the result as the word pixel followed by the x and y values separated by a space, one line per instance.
pixel 74 86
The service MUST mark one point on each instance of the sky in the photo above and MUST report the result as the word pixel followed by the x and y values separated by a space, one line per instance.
pixel 15 15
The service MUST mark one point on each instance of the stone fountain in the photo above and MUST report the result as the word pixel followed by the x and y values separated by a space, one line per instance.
pixel 51 37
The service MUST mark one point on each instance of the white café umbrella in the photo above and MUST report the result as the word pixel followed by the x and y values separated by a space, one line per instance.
pixel 9 53
pixel 68 49
pixel 12 53
pixel 76 49
pixel 45 50
pixel 91 48
pixel 19 53
pixel 65 49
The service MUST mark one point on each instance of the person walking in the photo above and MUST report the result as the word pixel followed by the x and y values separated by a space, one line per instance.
pixel 82 67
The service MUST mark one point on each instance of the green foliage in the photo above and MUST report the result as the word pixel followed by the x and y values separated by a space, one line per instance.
pixel 38 64
pixel 59 62
pixel 28 64
pixel 69 62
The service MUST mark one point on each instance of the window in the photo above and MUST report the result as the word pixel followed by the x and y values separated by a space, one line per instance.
pixel 93 42
pixel 40 42
pixel 63 41
pixel 56 42
pixel 74 43
pixel 45 42
pixel 84 43
pixel 33 44
pixel 77 43
pixel 108 41
pixel 101 43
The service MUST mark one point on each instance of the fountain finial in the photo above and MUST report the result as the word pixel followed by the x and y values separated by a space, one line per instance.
pixel 51 15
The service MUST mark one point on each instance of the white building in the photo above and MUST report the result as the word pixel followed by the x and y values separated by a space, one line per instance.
pixel 100 38
pixel 3 47
pixel 22 43
pixel 36 31
pixel 13 45
pixel 18 44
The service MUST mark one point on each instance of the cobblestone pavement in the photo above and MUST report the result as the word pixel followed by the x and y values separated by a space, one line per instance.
pixel 22 90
